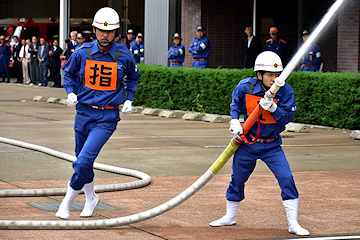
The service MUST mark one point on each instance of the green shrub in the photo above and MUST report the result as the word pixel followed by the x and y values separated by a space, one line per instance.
pixel 331 99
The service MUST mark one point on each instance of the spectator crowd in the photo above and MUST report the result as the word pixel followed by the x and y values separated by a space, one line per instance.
pixel 34 60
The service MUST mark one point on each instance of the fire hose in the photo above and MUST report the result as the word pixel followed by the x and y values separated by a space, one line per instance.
pixel 191 190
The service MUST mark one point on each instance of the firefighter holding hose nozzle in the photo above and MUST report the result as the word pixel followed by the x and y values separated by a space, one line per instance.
pixel 263 140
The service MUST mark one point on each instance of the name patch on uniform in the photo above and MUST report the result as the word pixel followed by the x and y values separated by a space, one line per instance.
pixel 100 75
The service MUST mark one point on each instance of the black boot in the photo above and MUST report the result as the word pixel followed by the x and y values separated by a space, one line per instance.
pixel 8 81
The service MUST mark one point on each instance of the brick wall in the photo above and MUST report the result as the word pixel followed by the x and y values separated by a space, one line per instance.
pixel 190 18
pixel 225 23
pixel 348 35
pixel 328 46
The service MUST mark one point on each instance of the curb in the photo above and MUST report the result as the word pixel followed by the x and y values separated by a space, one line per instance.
pixel 206 117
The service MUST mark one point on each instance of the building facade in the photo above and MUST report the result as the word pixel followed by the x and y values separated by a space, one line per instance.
pixel 224 22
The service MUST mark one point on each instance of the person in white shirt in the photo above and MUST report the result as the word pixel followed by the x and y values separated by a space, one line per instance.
pixel 25 59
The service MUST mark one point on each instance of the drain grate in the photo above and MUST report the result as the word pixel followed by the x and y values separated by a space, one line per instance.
pixel 75 206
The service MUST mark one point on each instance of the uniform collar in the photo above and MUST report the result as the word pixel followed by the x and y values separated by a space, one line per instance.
pixel 95 48
pixel 257 87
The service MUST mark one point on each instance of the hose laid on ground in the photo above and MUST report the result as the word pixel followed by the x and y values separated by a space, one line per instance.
pixel 105 223
pixel 197 185
pixel 145 178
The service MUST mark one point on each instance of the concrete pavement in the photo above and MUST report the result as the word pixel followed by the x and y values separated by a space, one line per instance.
pixel 326 166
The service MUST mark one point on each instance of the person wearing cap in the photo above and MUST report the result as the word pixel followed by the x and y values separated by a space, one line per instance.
pixel 311 61
pixel 200 48
pixel 94 79
pixel 130 36
pixel 137 49
pixel 276 44
pixel 176 53
pixel 119 39
pixel 80 40
pixel 263 140
pixel 253 47
pixel 5 55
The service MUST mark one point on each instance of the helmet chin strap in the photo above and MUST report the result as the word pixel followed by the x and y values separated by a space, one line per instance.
pixel 265 88
pixel 105 44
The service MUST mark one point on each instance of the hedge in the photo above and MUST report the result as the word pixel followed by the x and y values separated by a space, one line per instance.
pixel 328 99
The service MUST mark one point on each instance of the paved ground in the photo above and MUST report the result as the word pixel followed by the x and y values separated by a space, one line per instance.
pixel 325 163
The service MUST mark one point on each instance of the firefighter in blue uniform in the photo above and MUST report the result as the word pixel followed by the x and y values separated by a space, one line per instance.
pixel 276 44
pixel 311 61
pixel 130 36
pixel 200 48
pixel 93 79
pixel 263 140
pixel 5 55
pixel 137 49
pixel 176 53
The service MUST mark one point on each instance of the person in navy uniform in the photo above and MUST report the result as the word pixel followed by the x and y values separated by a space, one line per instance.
pixel 80 40
pixel 263 140
pixel 5 54
pixel 130 37
pixel 276 44
pixel 253 47
pixel 94 81
pixel 137 49
pixel 200 48
pixel 311 61
pixel 176 53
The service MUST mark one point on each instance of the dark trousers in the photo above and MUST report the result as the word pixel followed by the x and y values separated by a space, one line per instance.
pixel 43 74
pixel 55 71
pixel 18 70
pixel 34 70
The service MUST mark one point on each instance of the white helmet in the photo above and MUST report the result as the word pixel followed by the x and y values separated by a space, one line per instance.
pixel 106 18
pixel 269 62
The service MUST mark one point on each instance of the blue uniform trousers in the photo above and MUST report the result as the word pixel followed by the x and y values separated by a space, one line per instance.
pixel 200 64
pixel 93 127
pixel 308 68
pixel 177 65
pixel 244 162
pixel 4 66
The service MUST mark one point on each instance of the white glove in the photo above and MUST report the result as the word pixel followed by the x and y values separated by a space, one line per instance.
pixel 127 108
pixel 71 100
pixel 268 104
pixel 235 127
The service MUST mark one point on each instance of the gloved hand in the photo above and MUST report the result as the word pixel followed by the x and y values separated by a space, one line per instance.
pixel 268 104
pixel 127 108
pixel 235 127
pixel 71 100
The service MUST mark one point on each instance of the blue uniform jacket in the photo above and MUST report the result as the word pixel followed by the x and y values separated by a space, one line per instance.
pixel 74 71
pixel 175 55
pixel 5 52
pixel 279 47
pixel 137 51
pixel 312 57
pixel 284 113
pixel 201 46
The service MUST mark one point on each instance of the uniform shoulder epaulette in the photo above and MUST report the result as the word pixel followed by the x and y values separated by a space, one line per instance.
pixel 283 41
pixel 86 44
pixel 269 40
pixel 249 80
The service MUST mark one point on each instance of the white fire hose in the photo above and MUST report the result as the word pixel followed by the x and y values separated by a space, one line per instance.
pixel 177 200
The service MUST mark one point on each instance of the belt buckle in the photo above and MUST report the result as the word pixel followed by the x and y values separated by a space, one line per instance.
pixel 96 107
